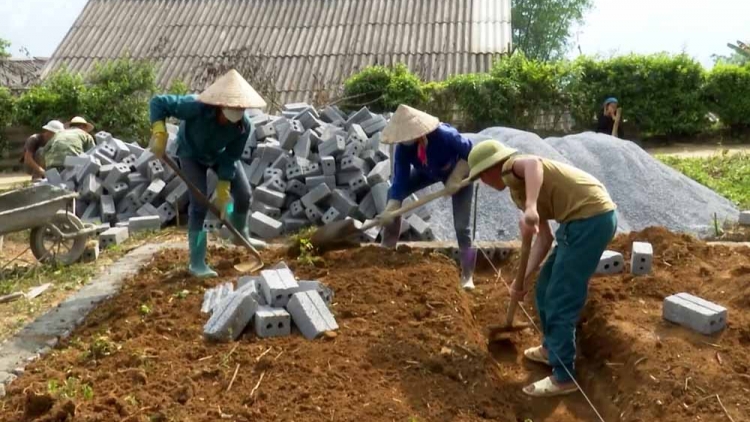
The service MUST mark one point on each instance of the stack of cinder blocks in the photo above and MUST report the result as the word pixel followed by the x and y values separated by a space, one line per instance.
pixel 273 302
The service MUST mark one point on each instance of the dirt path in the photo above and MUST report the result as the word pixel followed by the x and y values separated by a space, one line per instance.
pixel 697 151
pixel 411 348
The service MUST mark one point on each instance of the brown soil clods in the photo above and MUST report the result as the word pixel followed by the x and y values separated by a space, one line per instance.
pixel 410 347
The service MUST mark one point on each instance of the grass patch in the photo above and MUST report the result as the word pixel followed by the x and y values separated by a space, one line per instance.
pixel 727 174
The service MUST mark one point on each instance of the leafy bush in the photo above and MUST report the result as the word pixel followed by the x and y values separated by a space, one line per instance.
pixel 58 97
pixel 6 114
pixel 178 87
pixel 661 94
pixel 383 88
pixel 727 94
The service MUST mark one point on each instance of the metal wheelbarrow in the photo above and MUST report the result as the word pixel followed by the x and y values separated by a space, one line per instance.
pixel 57 234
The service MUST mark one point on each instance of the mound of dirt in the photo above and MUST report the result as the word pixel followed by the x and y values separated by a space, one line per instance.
pixel 411 347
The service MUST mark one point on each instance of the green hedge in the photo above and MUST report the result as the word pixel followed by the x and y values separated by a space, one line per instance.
pixel 6 114
pixel 662 95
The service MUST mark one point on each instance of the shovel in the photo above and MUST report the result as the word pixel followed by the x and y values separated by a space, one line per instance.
pixel 246 267
pixel 499 333
pixel 333 233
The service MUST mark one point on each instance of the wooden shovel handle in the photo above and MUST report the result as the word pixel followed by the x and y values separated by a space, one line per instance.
pixel 520 278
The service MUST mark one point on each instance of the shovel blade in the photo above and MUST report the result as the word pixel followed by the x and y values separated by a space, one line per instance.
pixel 333 233
pixel 249 267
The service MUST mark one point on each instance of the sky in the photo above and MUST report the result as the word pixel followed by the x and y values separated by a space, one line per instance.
pixel 612 27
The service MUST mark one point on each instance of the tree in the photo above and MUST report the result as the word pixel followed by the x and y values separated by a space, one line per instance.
pixel 740 54
pixel 541 28
pixel 4 44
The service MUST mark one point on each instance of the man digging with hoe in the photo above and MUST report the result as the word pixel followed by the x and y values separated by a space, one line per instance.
pixel 548 190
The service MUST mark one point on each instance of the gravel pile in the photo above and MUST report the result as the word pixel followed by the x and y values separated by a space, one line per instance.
pixel 647 192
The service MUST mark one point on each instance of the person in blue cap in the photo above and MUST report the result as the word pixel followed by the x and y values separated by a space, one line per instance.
pixel 428 152
pixel 607 118
pixel 212 135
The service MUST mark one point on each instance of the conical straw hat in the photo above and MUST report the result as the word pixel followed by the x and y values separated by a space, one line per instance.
pixel 232 90
pixel 408 123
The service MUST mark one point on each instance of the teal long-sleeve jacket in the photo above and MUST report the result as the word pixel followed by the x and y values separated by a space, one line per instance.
pixel 201 137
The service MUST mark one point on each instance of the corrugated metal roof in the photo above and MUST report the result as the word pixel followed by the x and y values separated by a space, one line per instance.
pixel 19 74
pixel 306 45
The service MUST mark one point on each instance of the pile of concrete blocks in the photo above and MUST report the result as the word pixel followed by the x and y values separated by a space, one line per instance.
pixel 123 183
pixel 744 219
pixel 311 167
pixel 641 260
pixel 269 303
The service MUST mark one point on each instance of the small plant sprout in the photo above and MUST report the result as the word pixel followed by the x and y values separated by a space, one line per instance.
pixel 144 309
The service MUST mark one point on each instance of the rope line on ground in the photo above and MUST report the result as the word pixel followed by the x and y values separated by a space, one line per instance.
pixel 533 324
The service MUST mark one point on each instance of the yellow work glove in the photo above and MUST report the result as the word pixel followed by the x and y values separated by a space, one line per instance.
pixel 222 196
pixel 159 135
pixel 459 173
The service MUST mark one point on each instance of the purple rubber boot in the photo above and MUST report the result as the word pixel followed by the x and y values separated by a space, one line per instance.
pixel 468 262
pixel 391 233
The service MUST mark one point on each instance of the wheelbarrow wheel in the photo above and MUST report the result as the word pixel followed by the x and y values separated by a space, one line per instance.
pixel 48 247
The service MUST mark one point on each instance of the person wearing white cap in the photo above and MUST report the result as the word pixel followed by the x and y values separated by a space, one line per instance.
pixel 428 152
pixel 32 158
pixel 74 140
pixel 212 135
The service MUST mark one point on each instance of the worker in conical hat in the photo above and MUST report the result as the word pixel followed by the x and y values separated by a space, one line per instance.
pixel 546 190
pixel 428 152
pixel 212 135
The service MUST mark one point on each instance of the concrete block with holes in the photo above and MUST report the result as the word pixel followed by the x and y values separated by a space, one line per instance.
pixel 333 147
pixel 254 172
pixel 281 162
pixel 102 137
pixel 230 317
pixel 328 164
pixel 272 322
pixel 150 222
pixel 105 170
pixel 331 215
pixel 276 184
pixel 311 314
pixel 113 236
pixel 269 197
pixel 121 149
pixel 138 179
pixel 360 116
pixel 270 173
pixel 350 163
pixel 91 252
pixel 250 144
pixel 53 177
pixel 744 219
pixel 267 153
pixel 359 184
pixel 420 228
pixel 118 173
pixel 91 188
pixel 303 145
pixel 316 195
pixel 296 188
pixel 179 197
pixel 380 173
pixel 374 125
pixel 325 292
pixel 153 191
pixel 356 134
pixel 331 115
pixel 107 208
pixel 292 132
pixel 370 235
pixel 147 210
pixel 278 286
pixel 380 196
pixel 341 201
pixel 641 258
pixel 257 206
pixel 264 226
pixel 367 206
pixel 694 313
pixel 343 178
pixel 141 164
pixel 265 131
pixel 108 150
pixel 166 213
pixel 214 295
pixel 313 169
pixel 313 213
pixel 297 209
pixel 611 262
pixel 91 168
pixel 294 172
pixel 155 170
pixel 292 225
pixel 91 213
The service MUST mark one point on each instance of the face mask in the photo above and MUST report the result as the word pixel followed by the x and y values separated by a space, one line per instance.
pixel 234 115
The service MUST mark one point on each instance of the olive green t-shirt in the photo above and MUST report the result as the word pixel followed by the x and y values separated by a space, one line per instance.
pixel 69 142
pixel 567 193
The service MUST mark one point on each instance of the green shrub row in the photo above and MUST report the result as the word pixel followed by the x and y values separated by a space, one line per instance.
pixel 662 95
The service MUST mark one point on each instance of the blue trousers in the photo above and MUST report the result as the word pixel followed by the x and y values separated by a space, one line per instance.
pixel 461 202
pixel 562 287
pixel 197 173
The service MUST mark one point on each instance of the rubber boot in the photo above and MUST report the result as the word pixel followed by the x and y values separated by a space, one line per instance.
pixel 239 221
pixel 468 262
pixel 391 233
pixel 198 241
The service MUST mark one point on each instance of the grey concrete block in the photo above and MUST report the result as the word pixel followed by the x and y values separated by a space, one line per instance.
pixel 296 107
pixel 212 297
pixel 289 132
pixel 91 252
pixel 152 191
pixel 108 150
pixel 744 219
pixel 102 137
pixel 103 159
pixel 641 258
pixel 292 225
pixel 68 175
pixel 129 160
pixel 264 226
pixel 267 153
pixel 328 165
pixel 316 195
pixel 269 197
pixel 91 213
pixel 105 170
pixel 420 228
pixel 166 213
pixel 351 163
pixel 376 124
pixel 254 172
pixel 313 169
pixel 248 280
pixel 359 184
pixel 297 209
pixel 297 188
pixel 138 179
pixel 367 207
pixel 147 210
pixel 137 224
pixel 230 317
pixel 331 115
pixel 265 131
pixel 310 314
pixel 91 188
pixel 325 292
pixel 313 213
pixel 211 225
pixel 155 170
pixel 332 147
pixel 314 181
pixel 380 173
pixel 141 164
pixel 611 262
pixel 257 206
pixel 53 177
pixel 136 149
pixel 294 172
pixel 107 208
pixel 121 150
pixel 343 178
pixel 278 286
pixel 271 173
pixel 281 163
pixel 101 228
pixel 73 161
pixel 179 197
pixel 250 144
pixel 272 322
pixel 360 116
pixel 303 145
pixel 341 201
pixel 370 235
pixel 380 196
pixel 695 313
pixel 356 134
pixel 113 236
pixel 332 215
pixel 118 173
pixel 369 156
pixel 90 168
